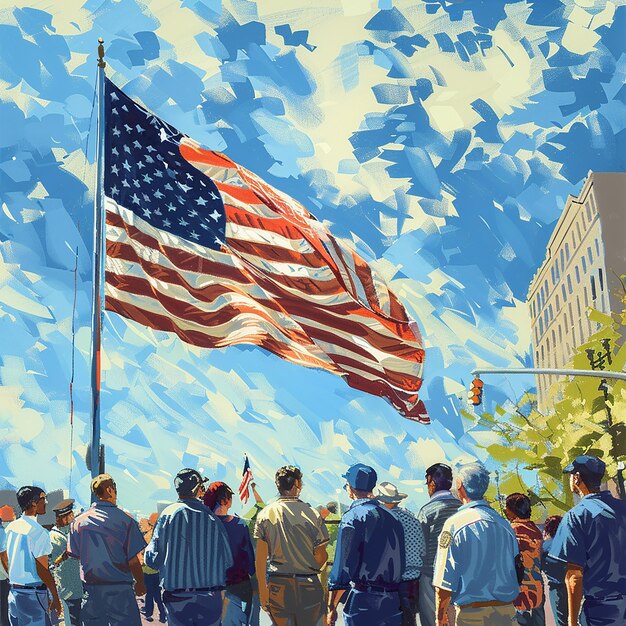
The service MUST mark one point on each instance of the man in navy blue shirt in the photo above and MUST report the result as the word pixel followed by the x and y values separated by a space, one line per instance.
pixel 591 540
pixel 370 557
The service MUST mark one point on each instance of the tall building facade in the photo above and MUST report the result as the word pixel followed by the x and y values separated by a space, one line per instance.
pixel 584 269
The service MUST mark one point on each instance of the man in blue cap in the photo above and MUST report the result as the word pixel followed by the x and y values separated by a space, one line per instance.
pixel 591 540
pixel 370 557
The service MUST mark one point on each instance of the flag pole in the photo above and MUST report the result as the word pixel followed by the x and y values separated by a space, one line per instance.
pixel 97 458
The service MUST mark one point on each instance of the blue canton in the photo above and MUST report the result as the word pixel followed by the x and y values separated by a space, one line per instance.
pixel 146 174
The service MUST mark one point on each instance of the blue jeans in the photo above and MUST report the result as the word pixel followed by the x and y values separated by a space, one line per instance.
pixel 370 608
pixel 110 605
pixel 237 604
pixel 558 601
pixel 153 594
pixel 532 617
pixel 193 608
pixel 28 607
pixel 609 611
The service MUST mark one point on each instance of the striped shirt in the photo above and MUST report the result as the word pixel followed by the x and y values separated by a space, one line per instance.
pixel 189 548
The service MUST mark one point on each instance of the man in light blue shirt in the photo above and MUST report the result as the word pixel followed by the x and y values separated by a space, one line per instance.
pixel 475 566
pixel 191 551
pixel 28 547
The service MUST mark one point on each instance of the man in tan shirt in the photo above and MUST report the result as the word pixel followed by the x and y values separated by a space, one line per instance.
pixel 291 546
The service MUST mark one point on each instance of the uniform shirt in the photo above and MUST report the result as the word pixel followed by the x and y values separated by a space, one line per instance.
pixel 413 542
pixel 593 536
pixel 26 540
pixel 241 547
pixel 553 569
pixel 105 539
pixel 476 556
pixel 433 516
pixel 292 530
pixel 66 575
pixel 530 541
pixel 370 547
pixel 189 548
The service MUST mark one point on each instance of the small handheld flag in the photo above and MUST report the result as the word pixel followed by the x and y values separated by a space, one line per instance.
pixel 246 480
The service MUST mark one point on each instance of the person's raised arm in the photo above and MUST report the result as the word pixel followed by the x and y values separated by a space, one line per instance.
pixel 43 571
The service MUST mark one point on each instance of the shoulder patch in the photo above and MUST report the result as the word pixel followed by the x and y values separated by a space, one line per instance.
pixel 445 539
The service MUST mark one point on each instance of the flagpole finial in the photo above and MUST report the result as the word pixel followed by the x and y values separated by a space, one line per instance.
pixel 101 61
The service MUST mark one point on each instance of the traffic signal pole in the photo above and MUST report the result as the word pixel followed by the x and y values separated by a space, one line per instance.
pixel 548 371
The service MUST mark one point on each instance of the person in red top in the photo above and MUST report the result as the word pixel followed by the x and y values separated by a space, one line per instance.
pixel 529 604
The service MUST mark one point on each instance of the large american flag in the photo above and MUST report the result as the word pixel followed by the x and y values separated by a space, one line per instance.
pixel 246 481
pixel 200 246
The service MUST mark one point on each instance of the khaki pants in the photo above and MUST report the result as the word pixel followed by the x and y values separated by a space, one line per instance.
pixel 295 601
pixel 485 616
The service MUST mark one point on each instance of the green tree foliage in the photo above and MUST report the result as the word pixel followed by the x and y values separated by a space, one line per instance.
pixel 533 448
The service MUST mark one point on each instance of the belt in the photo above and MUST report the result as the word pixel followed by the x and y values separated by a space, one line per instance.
pixel 313 575
pixel 482 605
pixel 194 589
pixel 36 587
pixel 377 588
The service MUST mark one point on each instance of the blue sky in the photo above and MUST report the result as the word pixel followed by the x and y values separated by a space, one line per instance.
pixel 440 139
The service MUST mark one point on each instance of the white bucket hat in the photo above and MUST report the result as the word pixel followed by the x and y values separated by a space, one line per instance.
pixel 388 493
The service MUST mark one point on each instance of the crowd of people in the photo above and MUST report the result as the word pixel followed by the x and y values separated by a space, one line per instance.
pixel 457 561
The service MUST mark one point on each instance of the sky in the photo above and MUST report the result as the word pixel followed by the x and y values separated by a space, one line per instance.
pixel 439 138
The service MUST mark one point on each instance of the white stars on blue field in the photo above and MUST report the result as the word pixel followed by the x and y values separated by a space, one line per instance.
pixel 152 179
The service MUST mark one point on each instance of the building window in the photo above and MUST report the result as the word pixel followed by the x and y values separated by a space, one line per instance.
pixel 580 329
pixel 588 207
pixel 562 259
pixel 567 251
pixel 560 334
pixel 548 348
pixel 578 306
pixel 551 312
pixel 552 273
pixel 597 247
pixel 590 255
pixel 584 264
pixel 580 238
pixel 558 305
pixel 564 292
pixel 542 354
pixel 586 297
pixel 601 279
pixel 537 357
pixel 546 290
pixel 577 275
pixel 593 288
pixel 545 318
pixel 540 326
pixel 569 283
pixel 571 314
pixel 565 322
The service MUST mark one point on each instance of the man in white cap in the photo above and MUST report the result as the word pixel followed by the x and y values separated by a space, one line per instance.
pixel 414 547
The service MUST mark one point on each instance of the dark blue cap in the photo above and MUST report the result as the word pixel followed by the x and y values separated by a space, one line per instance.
pixel 361 477
pixel 586 464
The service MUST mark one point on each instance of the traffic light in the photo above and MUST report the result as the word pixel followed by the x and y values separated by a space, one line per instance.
pixel 476 393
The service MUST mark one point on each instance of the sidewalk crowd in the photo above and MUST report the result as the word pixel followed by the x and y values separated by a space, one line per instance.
pixel 457 561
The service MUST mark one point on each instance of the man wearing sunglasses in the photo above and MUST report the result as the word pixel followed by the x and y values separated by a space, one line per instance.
pixel 28 547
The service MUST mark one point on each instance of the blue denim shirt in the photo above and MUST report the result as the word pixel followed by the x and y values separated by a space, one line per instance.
pixel 476 556
pixel 370 547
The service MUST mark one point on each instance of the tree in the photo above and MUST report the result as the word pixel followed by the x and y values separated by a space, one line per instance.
pixel 588 419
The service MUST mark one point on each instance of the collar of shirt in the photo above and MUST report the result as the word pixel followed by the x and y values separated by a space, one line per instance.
pixel 105 503
pixel 361 501
pixel 290 498
pixel 31 519
pixel 442 493
pixel 64 530
pixel 474 503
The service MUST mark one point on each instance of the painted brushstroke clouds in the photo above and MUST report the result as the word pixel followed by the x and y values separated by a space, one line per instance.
pixel 439 138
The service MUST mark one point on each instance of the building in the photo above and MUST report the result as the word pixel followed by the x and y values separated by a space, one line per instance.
pixel 583 269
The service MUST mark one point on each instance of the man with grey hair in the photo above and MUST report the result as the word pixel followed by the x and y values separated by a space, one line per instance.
pixel 475 566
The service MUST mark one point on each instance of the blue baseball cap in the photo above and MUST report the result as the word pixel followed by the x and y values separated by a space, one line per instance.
pixel 361 477
pixel 587 465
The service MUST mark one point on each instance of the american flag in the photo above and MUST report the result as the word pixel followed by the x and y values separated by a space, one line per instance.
pixel 200 246
pixel 247 478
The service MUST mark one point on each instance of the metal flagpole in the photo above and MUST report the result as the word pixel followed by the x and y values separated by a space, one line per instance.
pixel 96 454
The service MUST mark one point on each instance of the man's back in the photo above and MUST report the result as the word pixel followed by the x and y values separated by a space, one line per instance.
pixel 105 539
pixel 189 547
pixel 370 547
pixel 433 515
pixel 26 540
pixel 292 530
pixel 476 557
pixel 593 536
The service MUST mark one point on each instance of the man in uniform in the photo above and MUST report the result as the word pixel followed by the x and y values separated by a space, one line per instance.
pixel 370 557
pixel 475 566
pixel 433 516
pixel 66 571
pixel 107 541
pixel 591 540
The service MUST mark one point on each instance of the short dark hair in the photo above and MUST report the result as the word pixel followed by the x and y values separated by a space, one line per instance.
pixel 214 498
pixel 332 507
pixel 592 481
pixel 286 478
pixel 28 495
pixel 519 504
pixel 551 525
pixel 441 475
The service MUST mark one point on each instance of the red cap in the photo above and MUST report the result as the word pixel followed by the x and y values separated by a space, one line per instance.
pixel 210 497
